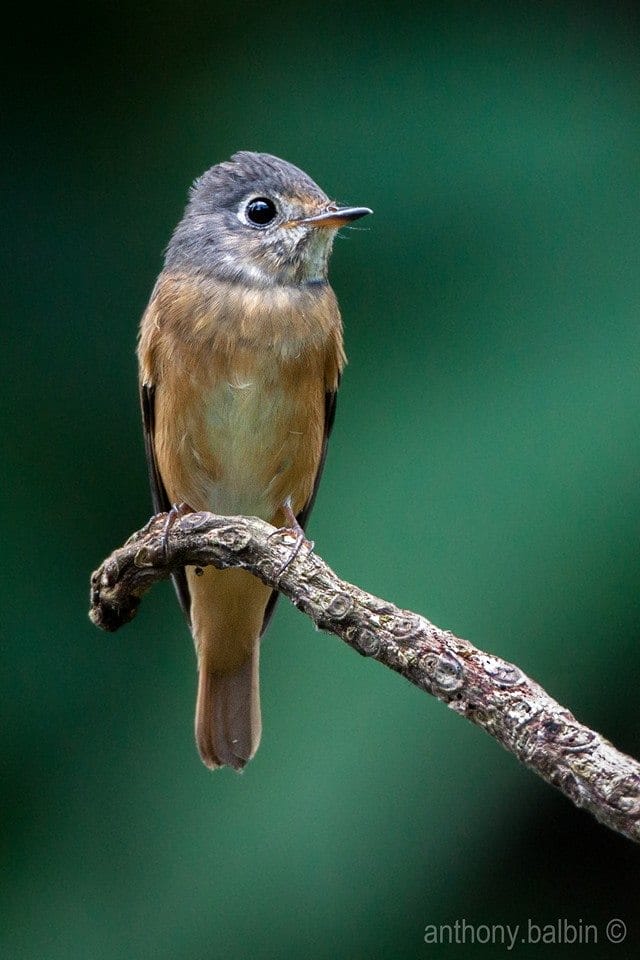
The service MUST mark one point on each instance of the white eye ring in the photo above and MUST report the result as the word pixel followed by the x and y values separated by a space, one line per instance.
pixel 258 212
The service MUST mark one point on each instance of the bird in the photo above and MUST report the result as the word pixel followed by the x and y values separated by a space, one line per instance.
pixel 240 355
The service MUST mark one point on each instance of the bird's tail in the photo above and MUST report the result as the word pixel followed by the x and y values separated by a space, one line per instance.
pixel 228 724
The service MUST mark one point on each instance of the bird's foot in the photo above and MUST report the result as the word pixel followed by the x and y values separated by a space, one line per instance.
pixel 291 531
pixel 177 510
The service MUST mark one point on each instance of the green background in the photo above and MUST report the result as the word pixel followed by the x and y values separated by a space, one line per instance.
pixel 483 471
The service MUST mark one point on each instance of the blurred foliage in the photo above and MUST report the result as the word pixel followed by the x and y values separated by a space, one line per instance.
pixel 483 471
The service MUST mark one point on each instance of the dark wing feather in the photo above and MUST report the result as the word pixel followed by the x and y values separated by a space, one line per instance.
pixel 330 399
pixel 159 496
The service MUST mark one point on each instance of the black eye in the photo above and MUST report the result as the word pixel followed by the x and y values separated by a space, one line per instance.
pixel 261 211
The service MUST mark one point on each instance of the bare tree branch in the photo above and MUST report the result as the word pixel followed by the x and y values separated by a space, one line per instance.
pixel 492 693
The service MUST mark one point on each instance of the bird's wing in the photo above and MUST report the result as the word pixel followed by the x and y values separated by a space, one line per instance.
pixel 330 399
pixel 159 496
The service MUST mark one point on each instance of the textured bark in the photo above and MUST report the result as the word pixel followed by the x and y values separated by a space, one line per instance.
pixel 492 693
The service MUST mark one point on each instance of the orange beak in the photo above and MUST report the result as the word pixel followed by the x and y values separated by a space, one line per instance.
pixel 334 218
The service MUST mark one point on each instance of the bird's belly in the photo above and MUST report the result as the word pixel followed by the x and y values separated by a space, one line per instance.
pixel 244 431
pixel 264 441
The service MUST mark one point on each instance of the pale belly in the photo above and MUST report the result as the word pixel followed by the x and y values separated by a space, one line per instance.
pixel 251 443
pixel 250 435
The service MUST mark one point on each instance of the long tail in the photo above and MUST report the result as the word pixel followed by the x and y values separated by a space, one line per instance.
pixel 228 724
pixel 227 610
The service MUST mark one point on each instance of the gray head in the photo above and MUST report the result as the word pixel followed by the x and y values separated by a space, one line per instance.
pixel 257 220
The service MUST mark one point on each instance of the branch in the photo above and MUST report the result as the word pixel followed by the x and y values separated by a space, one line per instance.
pixel 490 692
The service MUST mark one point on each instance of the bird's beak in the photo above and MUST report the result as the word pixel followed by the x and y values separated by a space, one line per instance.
pixel 335 218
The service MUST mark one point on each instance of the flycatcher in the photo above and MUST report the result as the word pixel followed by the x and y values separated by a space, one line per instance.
pixel 240 356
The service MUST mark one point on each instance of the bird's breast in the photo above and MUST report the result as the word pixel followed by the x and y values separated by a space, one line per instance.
pixel 240 382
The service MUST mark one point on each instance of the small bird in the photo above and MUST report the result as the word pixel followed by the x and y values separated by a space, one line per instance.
pixel 240 357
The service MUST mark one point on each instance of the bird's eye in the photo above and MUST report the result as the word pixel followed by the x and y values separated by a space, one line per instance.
pixel 260 211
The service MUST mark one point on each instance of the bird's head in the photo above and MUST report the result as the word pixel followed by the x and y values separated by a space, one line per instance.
pixel 258 220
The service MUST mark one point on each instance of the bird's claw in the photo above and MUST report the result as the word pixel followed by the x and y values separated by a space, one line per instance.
pixel 294 531
pixel 177 510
